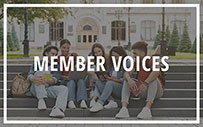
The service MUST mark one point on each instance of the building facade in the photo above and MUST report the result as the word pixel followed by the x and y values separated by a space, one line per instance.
pixel 110 26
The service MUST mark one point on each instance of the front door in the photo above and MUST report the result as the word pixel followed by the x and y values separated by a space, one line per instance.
pixel 87 35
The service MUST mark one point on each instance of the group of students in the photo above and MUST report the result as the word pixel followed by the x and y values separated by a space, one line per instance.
pixel 105 87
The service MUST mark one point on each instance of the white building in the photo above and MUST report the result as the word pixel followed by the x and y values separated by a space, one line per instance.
pixel 90 25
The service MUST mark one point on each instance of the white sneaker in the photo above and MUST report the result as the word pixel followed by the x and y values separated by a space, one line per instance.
pixel 92 102
pixel 123 113
pixel 42 104
pixel 83 104
pixel 56 113
pixel 145 114
pixel 111 104
pixel 96 107
pixel 71 105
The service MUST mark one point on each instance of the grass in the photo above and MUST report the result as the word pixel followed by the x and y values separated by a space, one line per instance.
pixel 19 54
pixel 180 55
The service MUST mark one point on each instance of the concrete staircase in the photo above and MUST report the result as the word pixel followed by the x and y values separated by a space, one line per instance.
pixel 179 99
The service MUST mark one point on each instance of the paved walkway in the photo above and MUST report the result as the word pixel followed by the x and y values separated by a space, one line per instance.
pixel 87 125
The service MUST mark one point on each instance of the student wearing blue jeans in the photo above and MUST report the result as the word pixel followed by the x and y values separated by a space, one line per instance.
pixel 42 87
pixel 81 92
pixel 97 50
pixel 71 85
pixel 112 85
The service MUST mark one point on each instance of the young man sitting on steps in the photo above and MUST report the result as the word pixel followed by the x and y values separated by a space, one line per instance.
pixel 43 85
pixel 151 87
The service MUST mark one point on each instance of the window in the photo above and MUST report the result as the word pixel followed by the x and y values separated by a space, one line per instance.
pixel 180 26
pixel 148 30
pixel 84 38
pixel 89 38
pixel 87 27
pixel 31 31
pixel 201 27
pixel 95 38
pixel 103 29
pixel 178 1
pixel 148 1
pixel 118 30
pixel 79 38
pixel 56 31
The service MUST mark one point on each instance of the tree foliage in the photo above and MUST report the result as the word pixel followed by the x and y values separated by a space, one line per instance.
pixel 15 38
pixel 157 38
pixel 174 38
pixel 185 42
pixel 46 13
pixel 193 48
pixel 168 34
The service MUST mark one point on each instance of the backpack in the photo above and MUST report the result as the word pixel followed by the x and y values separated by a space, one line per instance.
pixel 20 85
pixel 162 76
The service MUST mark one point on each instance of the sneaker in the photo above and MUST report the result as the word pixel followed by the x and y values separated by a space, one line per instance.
pixel 83 104
pixel 111 104
pixel 71 105
pixel 56 113
pixel 123 113
pixel 92 102
pixel 96 107
pixel 145 114
pixel 42 104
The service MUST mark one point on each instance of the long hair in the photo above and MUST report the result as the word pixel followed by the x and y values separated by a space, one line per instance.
pixel 119 50
pixel 107 61
pixel 140 45
pixel 97 45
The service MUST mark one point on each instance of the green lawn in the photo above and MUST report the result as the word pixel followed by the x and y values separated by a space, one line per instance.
pixel 180 55
pixel 19 54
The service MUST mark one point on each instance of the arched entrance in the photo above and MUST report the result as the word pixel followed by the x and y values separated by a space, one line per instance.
pixel 86 33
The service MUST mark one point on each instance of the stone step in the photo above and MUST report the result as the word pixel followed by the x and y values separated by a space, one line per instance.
pixel 182 84
pixel 169 76
pixel 170 84
pixel 169 93
pixel 156 112
pixel 134 103
pixel 173 68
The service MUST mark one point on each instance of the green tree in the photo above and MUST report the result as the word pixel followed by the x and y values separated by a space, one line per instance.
pixel 14 38
pixel 185 42
pixel 10 44
pixel 193 48
pixel 1 37
pixel 46 13
pixel 49 14
pixel 168 34
pixel 157 38
pixel 174 38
